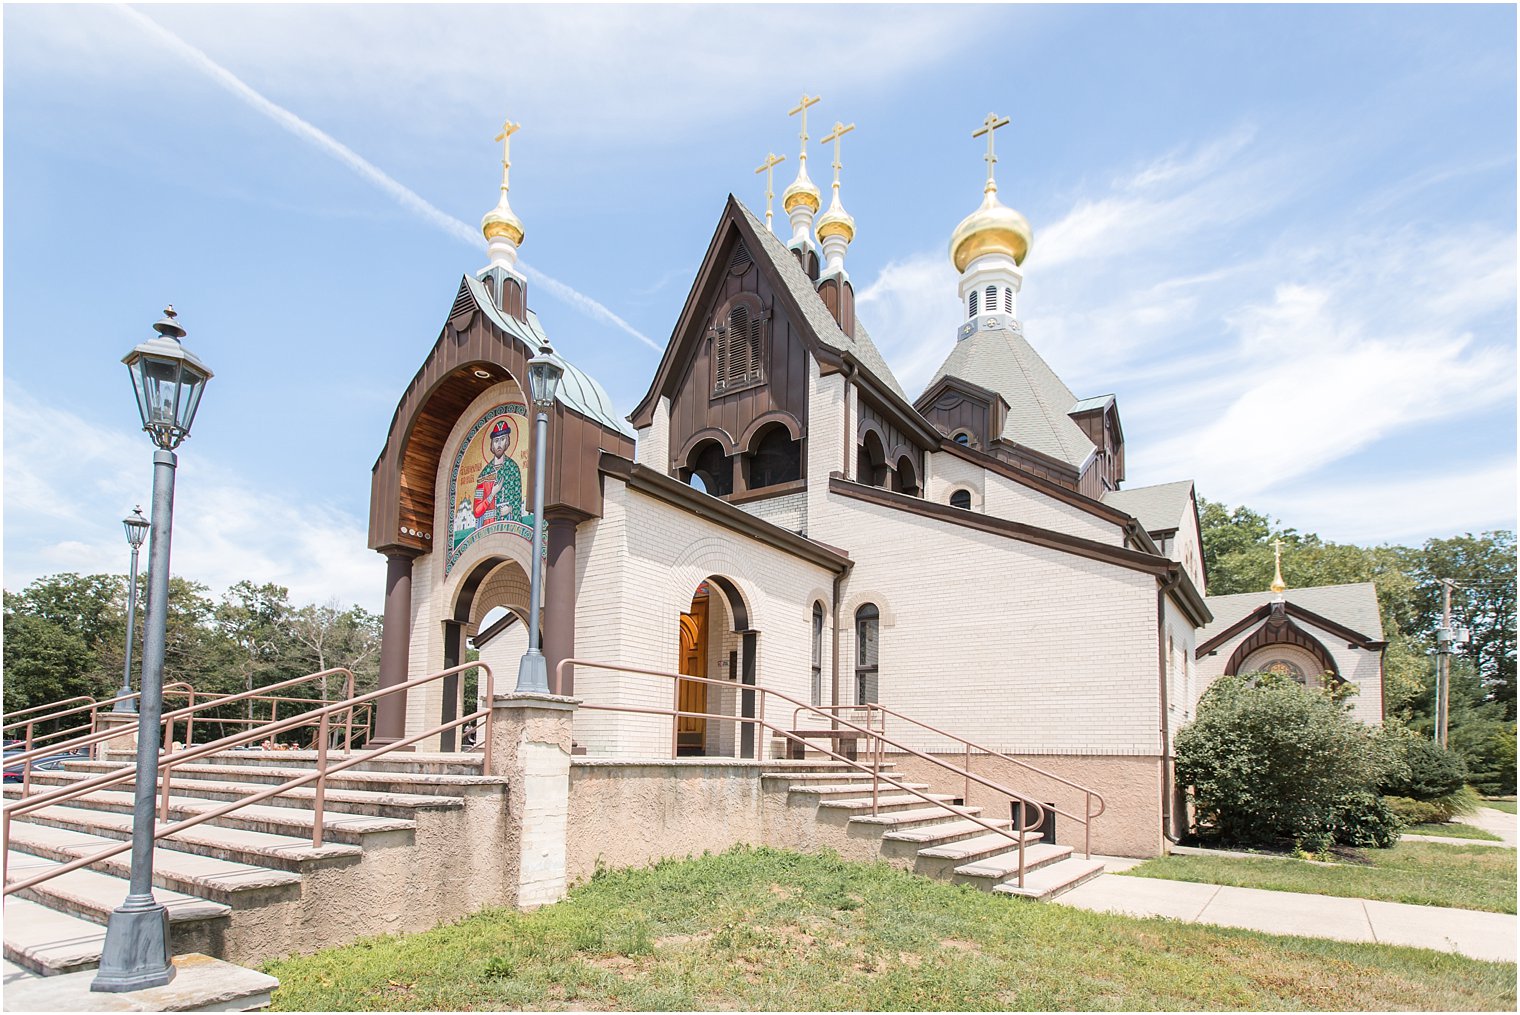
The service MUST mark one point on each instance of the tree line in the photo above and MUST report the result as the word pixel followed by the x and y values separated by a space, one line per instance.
pixel 66 635
pixel 1237 551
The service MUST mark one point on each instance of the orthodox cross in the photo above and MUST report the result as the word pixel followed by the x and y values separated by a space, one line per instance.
pixel 508 128
pixel 802 107
pixel 1278 585
pixel 840 130
pixel 768 167
pixel 989 125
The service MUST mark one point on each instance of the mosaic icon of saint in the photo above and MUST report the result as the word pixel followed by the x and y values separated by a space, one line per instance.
pixel 498 489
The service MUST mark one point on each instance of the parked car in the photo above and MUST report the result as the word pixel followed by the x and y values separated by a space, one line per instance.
pixel 47 763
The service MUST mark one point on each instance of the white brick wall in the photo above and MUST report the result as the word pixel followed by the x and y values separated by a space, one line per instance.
pixel 788 511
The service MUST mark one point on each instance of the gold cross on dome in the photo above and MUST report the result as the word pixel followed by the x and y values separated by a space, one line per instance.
pixel 840 130
pixel 508 128
pixel 802 107
pixel 768 167
pixel 992 123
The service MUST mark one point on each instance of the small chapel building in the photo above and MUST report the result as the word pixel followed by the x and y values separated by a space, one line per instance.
pixel 778 512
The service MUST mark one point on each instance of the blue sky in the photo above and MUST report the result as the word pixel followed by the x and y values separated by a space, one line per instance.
pixel 1283 236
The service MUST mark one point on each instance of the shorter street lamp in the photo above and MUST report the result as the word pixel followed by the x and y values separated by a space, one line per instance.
pixel 137 529
pixel 168 381
pixel 544 372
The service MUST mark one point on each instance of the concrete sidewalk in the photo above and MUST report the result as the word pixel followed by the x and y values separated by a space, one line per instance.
pixel 1467 932
pixel 1497 822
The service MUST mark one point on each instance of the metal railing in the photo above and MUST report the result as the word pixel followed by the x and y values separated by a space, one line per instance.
pixel 875 709
pixel 319 774
pixel 100 736
pixel 876 739
pixel 89 711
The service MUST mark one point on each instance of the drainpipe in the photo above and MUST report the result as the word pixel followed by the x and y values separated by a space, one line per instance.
pixel 1172 580
pixel 834 652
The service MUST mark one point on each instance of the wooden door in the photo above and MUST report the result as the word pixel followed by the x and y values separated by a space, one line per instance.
pixel 691 696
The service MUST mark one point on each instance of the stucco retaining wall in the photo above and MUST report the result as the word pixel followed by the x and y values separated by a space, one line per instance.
pixel 1130 785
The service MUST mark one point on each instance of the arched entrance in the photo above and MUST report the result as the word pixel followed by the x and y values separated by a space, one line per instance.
pixel 716 642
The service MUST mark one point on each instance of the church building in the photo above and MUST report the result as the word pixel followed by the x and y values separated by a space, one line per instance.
pixel 777 512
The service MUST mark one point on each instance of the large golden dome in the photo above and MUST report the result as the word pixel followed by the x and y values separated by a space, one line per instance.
pixel 992 228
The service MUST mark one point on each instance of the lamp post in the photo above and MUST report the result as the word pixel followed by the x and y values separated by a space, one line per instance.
pixel 544 372
pixel 137 529
pixel 168 381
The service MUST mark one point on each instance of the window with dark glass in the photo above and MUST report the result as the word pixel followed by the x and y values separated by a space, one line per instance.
pixel 776 458
pixel 871 461
pixel 961 499
pixel 712 468
pixel 867 648
pixel 817 653
pixel 962 438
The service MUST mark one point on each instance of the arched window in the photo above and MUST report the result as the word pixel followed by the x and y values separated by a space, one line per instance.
pixel 905 477
pixel 1007 301
pixel 738 348
pixel 867 653
pixel 971 304
pixel 871 461
pixel 992 299
pixel 776 458
pixel 961 499
pixel 962 438
pixel 711 468
pixel 817 653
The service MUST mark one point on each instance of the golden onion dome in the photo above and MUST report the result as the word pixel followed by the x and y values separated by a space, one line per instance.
pixel 992 228
pixel 501 221
pixel 802 191
pixel 836 222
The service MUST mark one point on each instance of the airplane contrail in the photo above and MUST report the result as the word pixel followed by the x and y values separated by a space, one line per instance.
pixel 403 194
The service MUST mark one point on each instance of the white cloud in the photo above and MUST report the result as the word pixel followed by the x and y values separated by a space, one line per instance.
pixel 1405 509
pixel 69 481
pixel 911 310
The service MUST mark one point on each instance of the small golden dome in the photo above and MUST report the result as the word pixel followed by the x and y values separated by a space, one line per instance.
pixel 501 221
pixel 836 222
pixel 992 228
pixel 802 191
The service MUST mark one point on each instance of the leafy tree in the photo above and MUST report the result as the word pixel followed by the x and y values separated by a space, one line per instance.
pixel 1483 568
pixel 328 636
pixel 251 619
pixel 44 662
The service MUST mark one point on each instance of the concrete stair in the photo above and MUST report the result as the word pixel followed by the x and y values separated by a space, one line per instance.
pixel 250 885
pixel 933 836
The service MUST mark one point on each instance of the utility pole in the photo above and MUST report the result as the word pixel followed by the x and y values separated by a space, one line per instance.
pixel 1443 663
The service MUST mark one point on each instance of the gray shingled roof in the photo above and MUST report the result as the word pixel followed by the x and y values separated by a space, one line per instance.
pixel 816 312
pixel 1158 507
pixel 1038 401
pixel 1354 606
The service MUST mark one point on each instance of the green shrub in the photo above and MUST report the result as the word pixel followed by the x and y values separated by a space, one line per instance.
pixel 1432 772
pixel 1271 763
pixel 1415 812
pixel 1365 820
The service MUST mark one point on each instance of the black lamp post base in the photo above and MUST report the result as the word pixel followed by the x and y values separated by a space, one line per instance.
pixel 136 951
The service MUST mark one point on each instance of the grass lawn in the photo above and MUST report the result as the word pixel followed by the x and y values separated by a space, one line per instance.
pixel 1508 806
pixel 773 931
pixel 1424 873
pixel 1452 830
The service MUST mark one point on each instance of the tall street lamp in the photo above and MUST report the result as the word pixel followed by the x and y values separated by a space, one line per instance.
pixel 544 372
pixel 137 529
pixel 168 381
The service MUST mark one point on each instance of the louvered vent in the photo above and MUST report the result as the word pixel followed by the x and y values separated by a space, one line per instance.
pixel 740 261
pixel 738 350
pixel 464 302
pixel 738 346
pixel 1007 301
pixel 971 305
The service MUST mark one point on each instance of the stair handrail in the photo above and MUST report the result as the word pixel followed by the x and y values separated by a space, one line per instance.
pixel 1015 832
pixel 90 705
pixel 319 774
pixel 168 718
pixel 970 745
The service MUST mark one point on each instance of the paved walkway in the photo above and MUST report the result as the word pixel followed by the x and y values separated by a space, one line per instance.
pixel 1488 819
pixel 1467 932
